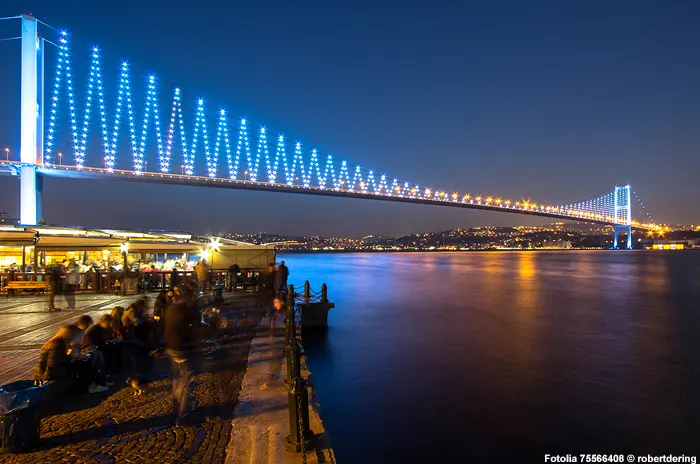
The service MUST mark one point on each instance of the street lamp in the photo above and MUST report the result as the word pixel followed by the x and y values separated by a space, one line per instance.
pixel 246 176
pixel 182 168
pixel 7 154
pixel 145 166
pixel 60 159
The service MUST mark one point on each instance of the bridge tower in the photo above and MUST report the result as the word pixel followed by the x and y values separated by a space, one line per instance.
pixel 622 208
pixel 32 122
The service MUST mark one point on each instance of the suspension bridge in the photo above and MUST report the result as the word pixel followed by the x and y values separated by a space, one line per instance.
pixel 239 157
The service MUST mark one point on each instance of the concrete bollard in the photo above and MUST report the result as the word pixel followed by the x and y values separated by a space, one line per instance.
pixel 324 293
pixel 307 290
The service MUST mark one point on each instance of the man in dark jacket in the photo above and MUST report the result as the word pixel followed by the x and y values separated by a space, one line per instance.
pixel 270 281
pixel 281 278
pixel 181 334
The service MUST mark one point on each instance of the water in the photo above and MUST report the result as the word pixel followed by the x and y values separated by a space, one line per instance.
pixel 503 357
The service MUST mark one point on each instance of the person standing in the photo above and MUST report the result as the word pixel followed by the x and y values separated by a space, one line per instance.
pixel 55 283
pixel 72 282
pixel 282 276
pixel 202 274
pixel 233 271
pixel 181 330
pixel 271 280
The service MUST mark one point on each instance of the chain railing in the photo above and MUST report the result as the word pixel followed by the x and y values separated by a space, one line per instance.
pixel 297 393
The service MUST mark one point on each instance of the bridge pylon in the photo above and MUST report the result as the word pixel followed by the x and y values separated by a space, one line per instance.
pixel 32 122
pixel 622 209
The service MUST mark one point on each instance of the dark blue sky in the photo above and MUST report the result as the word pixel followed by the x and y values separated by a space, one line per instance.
pixel 556 101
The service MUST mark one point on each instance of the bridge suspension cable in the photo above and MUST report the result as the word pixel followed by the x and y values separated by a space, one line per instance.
pixel 245 154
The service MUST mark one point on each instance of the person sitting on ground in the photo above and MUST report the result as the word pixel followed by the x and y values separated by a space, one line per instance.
pixel 160 304
pixel 99 337
pixel 84 322
pixel 98 334
pixel 96 358
pixel 54 358
pixel 118 329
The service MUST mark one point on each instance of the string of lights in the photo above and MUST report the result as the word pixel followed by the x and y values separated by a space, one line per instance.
pixel 306 170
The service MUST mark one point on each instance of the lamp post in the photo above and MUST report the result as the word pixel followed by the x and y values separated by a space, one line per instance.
pixel 145 168
pixel 245 173
pixel 182 169
pixel 60 159
pixel 7 154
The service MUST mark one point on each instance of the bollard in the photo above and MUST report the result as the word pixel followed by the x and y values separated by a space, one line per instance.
pixel 324 293
pixel 298 402
pixel 293 361
pixel 307 290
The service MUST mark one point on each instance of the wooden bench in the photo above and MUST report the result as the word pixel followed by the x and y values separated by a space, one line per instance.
pixel 25 285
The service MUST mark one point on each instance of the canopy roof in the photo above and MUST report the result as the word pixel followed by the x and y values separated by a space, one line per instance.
pixel 76 238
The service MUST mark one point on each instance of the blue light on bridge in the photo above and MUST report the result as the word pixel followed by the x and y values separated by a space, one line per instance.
pixel 314 175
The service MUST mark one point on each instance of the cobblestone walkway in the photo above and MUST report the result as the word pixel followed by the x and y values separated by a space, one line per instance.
pixel 119 427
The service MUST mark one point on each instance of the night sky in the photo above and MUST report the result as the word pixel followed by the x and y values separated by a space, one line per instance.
pixel 553 101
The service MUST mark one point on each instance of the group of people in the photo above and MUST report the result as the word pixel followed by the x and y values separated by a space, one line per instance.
pixel 276 280
pixel 89 354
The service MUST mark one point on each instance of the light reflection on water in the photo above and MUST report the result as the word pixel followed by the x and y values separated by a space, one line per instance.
pixel 491 356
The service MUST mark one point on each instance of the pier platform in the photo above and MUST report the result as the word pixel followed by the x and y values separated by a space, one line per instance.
pixel 261 417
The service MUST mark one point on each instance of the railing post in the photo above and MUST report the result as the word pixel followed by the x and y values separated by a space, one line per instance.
pixel 293 361
pixel 324 293
pixel 298 402
pixel 289 328
pixel 307 290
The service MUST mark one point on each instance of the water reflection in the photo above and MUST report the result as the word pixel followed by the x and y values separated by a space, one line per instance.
pixel 501 357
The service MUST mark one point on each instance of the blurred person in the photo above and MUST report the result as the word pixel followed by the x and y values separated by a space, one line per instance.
pixel 181 333
pixel 55 277
pixel 96 359
pixel 54 357
pixel 100 337
pixel 281 278
pixel 275 311
pixel 159 305
pixel 202 274
pixel 72 282
pixel 233 271
pixel 270 279
pixel 118 330
pixel 83 322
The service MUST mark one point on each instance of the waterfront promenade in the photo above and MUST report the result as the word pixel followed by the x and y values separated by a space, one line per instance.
pixel 116 426
pixel 238 392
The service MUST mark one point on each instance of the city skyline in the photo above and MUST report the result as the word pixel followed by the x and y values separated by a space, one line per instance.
pixel 517 171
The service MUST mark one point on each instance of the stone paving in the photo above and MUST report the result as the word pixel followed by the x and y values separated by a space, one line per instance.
pixel 117 426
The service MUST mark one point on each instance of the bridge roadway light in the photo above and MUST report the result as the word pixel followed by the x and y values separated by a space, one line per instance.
pixel 60 159
pixel 7 154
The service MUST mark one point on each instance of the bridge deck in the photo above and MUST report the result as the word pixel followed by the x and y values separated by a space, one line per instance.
pixel 200 181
